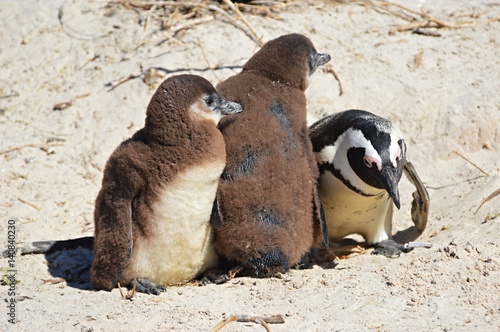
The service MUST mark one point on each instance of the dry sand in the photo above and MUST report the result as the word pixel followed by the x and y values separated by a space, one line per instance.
pixel 443 92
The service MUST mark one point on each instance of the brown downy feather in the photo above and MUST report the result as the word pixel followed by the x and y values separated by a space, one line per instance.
pixel 136 171
pixel 267 192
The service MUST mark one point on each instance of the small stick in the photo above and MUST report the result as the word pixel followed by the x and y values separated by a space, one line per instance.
pixel 33 145
pixel 490 197
pixel 470 162
pixel 278 319
pixel 233 21
pixel 62 106
pixel 149 4
pixel 234 271
pixel 12 94
pixel 191 23
pixel 206 60
pixel 444 24
pixel 168 37
pixel 329 69
pixel 29 203
pixel 120 289
pixel 132 292
pixel 89 61
pixel 113 85
pixel 387 4
pixel 244 20
pixel 53 281
pixel 83 95
pixel 146 21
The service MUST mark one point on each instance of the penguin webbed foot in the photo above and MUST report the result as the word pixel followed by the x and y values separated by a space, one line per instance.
pixel 306 262
pixel 143 285
pixel 390 248
pixel 215 276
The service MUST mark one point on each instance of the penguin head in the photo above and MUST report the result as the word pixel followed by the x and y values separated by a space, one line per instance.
pixel 289 59
pixel 368 153
pixel 181 101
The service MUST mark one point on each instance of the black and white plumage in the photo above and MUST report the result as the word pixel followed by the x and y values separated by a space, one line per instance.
pixel 361 158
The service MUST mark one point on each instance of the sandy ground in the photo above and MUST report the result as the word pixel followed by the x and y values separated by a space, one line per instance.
pixel 443 92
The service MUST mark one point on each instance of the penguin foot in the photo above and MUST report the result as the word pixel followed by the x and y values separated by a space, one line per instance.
pixel 391 249
pixel 305 263
pixel 214 276
pixel 143 285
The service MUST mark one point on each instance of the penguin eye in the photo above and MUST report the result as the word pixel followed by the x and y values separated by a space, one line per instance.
pixel 367 163
pixel 209 101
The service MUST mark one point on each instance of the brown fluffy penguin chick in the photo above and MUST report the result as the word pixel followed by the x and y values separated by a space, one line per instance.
pixel 152 215
pixel 268 202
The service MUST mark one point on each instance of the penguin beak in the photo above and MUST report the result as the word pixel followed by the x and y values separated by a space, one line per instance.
pixel 316 60
pixel 229 107
pixel 322 58
pixel 390 179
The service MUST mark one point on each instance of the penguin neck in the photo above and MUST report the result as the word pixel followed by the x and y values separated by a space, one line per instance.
pixel 361 188
pixel 166 132
pixel 197 138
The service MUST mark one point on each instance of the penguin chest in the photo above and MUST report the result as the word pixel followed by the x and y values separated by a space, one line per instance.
pixel 348 212
pixel 179 245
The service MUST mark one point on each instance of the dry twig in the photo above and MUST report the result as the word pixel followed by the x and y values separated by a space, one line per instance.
pixel 43 146
pixel 470 162
pixel 489 198
pixel 53 281
pixel 130 294
pixel 417 20
pixel 29 203
pixel 245 21
pixel 278 319
pixel 95 57
pixel 328 68
pixel 9 95
pixel 206 60
pixel 114 84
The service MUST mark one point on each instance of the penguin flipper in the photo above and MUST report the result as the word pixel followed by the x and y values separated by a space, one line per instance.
pixel 216 216
pixel 421 200
pixel 112 246
pixel 319 218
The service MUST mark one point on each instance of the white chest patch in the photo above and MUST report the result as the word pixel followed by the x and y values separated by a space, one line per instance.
pixel 348 212
pixel 181 246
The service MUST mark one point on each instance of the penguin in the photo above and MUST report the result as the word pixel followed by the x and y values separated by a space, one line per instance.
pixel 152 214
pixel 361 158
pixel 269 210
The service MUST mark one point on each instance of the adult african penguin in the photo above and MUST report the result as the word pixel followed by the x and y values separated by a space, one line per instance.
pixel 269 209
pixel 361 158
pixel 152 214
